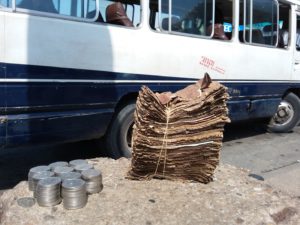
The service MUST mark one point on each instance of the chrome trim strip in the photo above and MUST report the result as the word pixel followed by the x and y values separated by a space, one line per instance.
pixel 20 80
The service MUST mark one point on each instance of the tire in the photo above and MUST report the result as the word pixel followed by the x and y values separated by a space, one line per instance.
pixel 287 115
pixel 120 130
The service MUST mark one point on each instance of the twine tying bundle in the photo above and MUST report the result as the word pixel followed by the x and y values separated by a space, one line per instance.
pixel 179 135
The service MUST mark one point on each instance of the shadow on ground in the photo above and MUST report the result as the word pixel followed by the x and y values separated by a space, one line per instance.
pixel 16 162
pixel 241 130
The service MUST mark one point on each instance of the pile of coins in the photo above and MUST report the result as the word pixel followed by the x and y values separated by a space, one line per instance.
pixel 93 179
pixel 40 176
pixel 74 194
pixel 48 192
pixel 67 182
pixel 32 172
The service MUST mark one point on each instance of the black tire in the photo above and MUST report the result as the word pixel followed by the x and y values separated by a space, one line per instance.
pixel 117 134
pixel 293 102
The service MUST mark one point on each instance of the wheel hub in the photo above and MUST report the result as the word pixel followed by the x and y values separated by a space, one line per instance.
pixel 285 113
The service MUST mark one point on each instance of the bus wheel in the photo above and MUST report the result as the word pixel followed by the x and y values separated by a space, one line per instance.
pixel 118 138
pixel 287 115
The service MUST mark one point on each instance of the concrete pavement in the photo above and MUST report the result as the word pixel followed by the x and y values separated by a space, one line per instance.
pixel 274 157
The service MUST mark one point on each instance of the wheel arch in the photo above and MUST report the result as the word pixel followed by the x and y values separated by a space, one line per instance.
pixel 122 102
pixel 295 91
pixel 125 99
pixel 114 145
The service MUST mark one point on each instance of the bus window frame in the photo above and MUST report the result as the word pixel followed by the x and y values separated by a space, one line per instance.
pixel 169 31
pixel 251 24
pixel 56 15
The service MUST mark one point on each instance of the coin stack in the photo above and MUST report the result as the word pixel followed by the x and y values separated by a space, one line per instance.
pixel 48 192
pixel 93 179
pixel 83 167
pixel 70 176
pixel 74 194
pixel 40 176
pixel 33 171
pixel 58 164
pixel 71 181
pixel 62 169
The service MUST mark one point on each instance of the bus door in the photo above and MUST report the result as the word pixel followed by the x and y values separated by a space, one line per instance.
pixel 296 74
pixel 3 120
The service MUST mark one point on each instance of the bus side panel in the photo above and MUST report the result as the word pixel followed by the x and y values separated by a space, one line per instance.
pixel 2 83
pixel 56 127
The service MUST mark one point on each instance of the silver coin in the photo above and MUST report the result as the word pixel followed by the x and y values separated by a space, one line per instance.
pixel 39 169
pixel 62 169
pixel 83 167
pixel 70 176
pixel 76 162
pixel 42 175
pixel 26 202
pixel 50 182
pixel 91 174
pixel 56 164
pixel 35 170
pixel 73 184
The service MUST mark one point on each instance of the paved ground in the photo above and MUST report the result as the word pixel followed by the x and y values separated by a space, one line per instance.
pixel 233 198
pixel 273 157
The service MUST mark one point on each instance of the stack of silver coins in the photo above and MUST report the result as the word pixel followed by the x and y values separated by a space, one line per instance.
pixel 74 194
pixel 93 179
pixel 83 167
pixel 48 192
pixel 70 176
pixel 58 164
pixel 62 170
pixel 33 171
pixel 40 176
pixel 77 162
pixel 71 181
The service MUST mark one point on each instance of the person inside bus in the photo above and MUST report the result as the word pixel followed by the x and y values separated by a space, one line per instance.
pixel 218 26
pixel 116 14
pixel 38 5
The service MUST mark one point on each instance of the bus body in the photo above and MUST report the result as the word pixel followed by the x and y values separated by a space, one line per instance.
pixel 69 72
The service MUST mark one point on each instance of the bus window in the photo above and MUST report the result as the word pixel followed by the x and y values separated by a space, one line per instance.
pixel 73 8
pixel 193 17
pixel 284 25
pixel 5 3
pixel 37 5
pixel 259 19
pixel 223 16
pixel 189 17
pixel 298 34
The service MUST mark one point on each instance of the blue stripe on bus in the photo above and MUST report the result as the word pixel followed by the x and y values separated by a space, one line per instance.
pixel 34 111
pixel 244 89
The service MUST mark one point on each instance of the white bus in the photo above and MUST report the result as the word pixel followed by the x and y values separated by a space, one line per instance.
pixel 71 69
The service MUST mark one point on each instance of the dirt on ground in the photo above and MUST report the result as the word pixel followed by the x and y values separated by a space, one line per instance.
pixel 232 198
